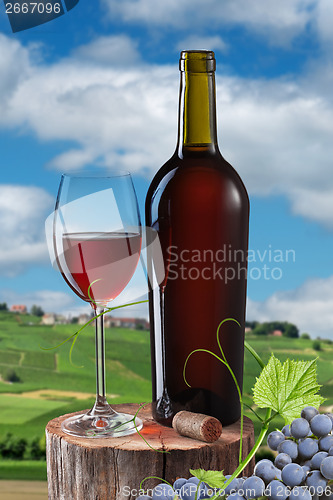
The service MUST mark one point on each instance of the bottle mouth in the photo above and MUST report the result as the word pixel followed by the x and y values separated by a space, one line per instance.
pixel 197 61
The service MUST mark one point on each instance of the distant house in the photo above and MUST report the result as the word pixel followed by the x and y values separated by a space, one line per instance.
pixel 53 319
pixel 248 329
pixel 83 319
pixel 126 323
pixel 277 333
pixel 61 320
pixel 143 323
pixel 110 322
pixel 48 319
pixel 19 309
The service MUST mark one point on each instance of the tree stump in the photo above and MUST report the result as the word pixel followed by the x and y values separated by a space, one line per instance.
pixel 112 468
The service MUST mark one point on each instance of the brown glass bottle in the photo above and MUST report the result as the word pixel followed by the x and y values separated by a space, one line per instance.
pixel 199 207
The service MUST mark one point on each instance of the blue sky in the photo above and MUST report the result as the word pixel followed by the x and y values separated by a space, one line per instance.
pixel 99 86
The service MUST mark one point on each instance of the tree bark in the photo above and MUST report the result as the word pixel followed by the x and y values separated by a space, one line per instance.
pixel 112 468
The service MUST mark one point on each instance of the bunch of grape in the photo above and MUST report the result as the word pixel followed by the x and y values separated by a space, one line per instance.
pixel 189 489
pixel 184 489
pixel 305 457
pixel 302 468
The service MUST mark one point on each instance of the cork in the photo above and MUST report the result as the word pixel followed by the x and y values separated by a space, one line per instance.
pixel 197 426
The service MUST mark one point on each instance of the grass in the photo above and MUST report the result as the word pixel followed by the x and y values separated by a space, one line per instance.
pixel 25 470
pixel 16 410
pixel 9 357
pixel 128 375
pixel 128 371
pixel 44 360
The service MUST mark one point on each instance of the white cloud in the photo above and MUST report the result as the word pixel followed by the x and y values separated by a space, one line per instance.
pixel 310 307
pixel 12 74
pixel 74 159
pixel 279 21
pixel 113 115
pixel 316 205
pixel 22 213
pixel 48 300
pixel 195 42
pixel 116 50
pixel 324 16
pixel 277 133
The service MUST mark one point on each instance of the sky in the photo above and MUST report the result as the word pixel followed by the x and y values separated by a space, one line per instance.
pixel 98 87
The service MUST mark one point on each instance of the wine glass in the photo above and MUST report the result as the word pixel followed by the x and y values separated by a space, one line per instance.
pixel 97 242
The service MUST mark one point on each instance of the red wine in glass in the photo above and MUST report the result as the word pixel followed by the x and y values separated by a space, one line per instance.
pixel 100 265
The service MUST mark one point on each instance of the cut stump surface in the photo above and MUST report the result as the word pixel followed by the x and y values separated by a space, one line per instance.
pixel 112 468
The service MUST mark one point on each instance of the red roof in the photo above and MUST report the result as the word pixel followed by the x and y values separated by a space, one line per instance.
pixel 18 307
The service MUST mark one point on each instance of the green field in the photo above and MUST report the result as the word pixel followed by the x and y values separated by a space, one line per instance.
pixel 128 375
pixel 29 470
pixel 128 372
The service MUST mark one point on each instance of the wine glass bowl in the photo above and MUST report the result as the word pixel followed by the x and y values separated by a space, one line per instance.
pixel 97 242
pixel 100 265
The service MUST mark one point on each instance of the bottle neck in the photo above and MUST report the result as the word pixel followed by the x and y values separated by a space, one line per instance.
pixel 197 113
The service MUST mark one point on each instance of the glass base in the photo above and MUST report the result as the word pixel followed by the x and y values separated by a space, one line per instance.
pixel 100 426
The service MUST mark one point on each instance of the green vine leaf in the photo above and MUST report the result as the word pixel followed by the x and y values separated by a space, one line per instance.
pixel 214 479
pixel 287 388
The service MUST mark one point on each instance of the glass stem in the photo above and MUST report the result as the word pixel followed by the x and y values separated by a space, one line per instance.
pixel 100 356
pixel 101 406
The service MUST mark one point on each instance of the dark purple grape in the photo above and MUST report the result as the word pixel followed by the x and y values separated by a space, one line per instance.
pixel 253 487
pixel 163 491
pixel 325 442
pixel 274 439
pixel 286 431
pixel 309 412
pixel 179 483
pixel 194 480
pixel 307 448
pixel 188 491
pixel 321 425
pixel 289 447
pixel 316 482
pixel 233 486
pixel 326 467
pixel 281 460
pixel 276 490
pixel 317 459
pixel 293 475
pixel 299 428
pixel 266 470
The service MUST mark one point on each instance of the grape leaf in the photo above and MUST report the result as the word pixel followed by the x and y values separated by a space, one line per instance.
pixel 214 479
pixel 287 388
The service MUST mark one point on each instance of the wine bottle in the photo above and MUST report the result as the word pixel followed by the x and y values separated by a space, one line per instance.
pixel 199 207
